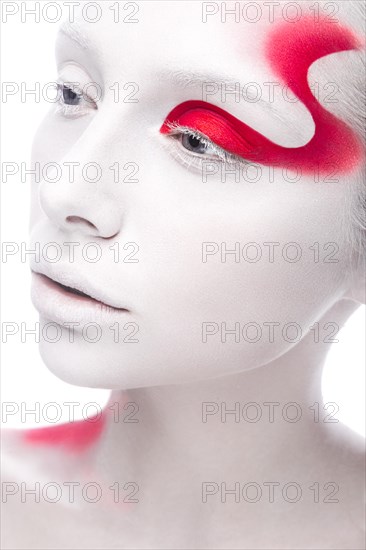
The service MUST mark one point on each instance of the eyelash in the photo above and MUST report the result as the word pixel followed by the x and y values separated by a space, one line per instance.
pixel 72 111
pixel 195 160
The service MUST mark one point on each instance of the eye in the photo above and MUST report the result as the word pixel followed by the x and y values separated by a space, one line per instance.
pixel 194 144
pixel 227 137
pixel 69 96
pixel 198 146
pixel 205 133
pixel 72 101
pixel 193 149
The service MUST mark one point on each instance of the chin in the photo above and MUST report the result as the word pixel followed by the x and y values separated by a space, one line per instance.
pixel 154 362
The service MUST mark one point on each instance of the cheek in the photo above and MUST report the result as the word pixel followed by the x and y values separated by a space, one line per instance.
pixel 288 267
pixel 187 294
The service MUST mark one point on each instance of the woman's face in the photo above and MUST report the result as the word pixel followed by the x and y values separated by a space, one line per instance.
pixel 210 267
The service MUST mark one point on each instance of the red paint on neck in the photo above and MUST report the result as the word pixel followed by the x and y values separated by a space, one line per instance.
pixel 74 436
pixel 290 50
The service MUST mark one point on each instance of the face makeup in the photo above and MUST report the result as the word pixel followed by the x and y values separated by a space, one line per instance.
pixel 290 50
pixel 171 213
pixel 74 437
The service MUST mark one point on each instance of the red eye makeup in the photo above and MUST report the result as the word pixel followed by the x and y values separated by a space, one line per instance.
pixel 290 49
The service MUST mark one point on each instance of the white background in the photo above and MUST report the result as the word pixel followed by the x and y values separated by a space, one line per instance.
pixel 27 55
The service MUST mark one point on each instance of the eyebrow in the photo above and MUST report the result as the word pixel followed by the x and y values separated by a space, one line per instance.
pixel 185 79
pixel 74 32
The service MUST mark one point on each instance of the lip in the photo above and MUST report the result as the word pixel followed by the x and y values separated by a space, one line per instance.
pixel 56 301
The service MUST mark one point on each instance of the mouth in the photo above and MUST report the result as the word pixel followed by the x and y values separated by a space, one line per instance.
pixel 72 290
pixel 71 293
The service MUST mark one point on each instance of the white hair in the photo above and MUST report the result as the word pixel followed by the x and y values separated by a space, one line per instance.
pixel 355 112
pixel 347 70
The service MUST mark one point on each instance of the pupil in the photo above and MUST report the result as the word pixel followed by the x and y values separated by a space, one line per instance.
pixel 194 142
pixel 70 97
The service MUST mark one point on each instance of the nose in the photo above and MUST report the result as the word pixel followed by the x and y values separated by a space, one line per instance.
pixel 80 221
pixel 80 205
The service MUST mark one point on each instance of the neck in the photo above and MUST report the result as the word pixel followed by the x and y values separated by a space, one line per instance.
pixel 242 423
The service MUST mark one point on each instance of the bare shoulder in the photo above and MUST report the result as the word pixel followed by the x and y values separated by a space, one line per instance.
pixel 53 495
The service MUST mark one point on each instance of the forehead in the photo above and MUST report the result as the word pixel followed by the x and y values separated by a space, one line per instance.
pixel 170 34
pixel 210 34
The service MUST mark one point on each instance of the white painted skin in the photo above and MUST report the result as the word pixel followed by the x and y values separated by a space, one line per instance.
pixel 170 292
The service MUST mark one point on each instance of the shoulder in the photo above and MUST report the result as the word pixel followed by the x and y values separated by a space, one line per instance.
pixel 29 451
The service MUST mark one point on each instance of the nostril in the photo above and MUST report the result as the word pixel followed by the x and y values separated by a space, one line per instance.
pixel 77 219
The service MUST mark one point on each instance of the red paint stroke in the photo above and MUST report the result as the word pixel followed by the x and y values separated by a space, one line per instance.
pixel 74 436
pixel 290 50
